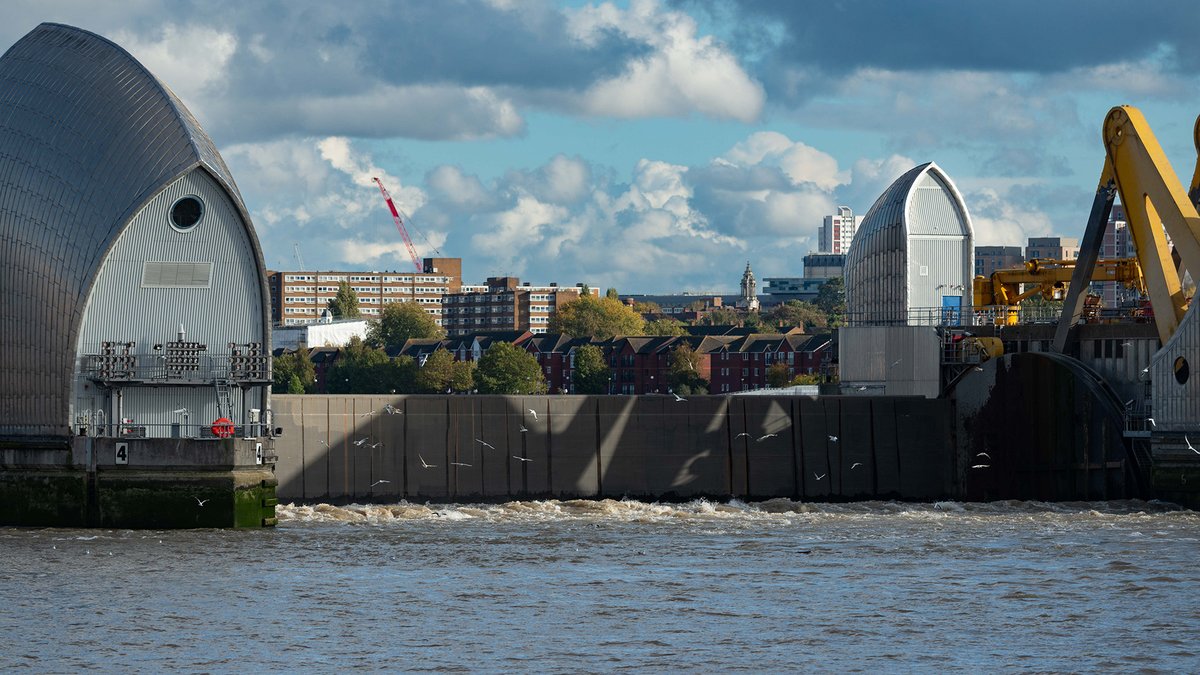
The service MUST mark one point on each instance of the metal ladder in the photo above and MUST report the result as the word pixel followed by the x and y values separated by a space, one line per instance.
pixel 224 402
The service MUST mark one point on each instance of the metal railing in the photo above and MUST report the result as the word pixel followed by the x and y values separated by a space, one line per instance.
pixel 993 315
pixel 173 430
pixel 194 369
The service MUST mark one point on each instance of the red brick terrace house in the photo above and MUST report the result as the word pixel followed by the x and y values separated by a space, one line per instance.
pixel 555 353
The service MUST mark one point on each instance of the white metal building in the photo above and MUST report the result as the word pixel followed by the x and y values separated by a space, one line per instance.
pixel 131 274
pixel 909 269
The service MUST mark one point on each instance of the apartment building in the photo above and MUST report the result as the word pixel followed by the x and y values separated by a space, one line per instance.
pixel 837 231
pixel 299 297
pixel 504 304
pixel 988 259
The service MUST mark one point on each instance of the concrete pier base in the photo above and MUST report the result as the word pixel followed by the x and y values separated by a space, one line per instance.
pixel 137 483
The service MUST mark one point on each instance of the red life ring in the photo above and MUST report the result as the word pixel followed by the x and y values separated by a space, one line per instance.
pixel 222 428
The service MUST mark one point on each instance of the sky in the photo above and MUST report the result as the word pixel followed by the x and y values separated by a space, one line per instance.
pixel 653 146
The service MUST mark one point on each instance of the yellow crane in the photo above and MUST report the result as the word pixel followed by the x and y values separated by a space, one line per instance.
pixel 1001 292
pixel 1156 207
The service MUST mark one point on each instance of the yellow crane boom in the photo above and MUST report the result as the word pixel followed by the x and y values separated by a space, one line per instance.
pixel 1001 292
pixel 1156 206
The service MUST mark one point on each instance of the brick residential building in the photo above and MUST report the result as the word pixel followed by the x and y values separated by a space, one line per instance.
pixel 505 304
pixel 299 297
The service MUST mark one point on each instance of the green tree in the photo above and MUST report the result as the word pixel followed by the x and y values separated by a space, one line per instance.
pixel 359 369
pixel 647 307
pixel 295 386
pixel 435 375
pixel 462 376
pixel 797 313
pixel 602 318
pixel 805 378
pixel 591 372
pixel 345 304
pixel 669 327
pixel 507 369
pixel 721 316
pixel 400 375
pixel 612 294
pixel 831 298
pixel 753 321
pixel 683 371
pixel 297 364
pixel 400 322
pixel 777 375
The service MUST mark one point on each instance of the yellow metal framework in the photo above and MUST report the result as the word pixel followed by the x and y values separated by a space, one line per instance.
pixel 1156 207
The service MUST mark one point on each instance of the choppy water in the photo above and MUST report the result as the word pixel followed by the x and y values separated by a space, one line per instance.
pixel 606 586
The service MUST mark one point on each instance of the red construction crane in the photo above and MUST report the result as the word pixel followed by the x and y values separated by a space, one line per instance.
pixel 412 251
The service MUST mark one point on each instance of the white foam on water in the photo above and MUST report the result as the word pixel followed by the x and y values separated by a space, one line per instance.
pixel 772 511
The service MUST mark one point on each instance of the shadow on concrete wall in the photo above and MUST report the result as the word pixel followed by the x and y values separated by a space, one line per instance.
pixel 487 448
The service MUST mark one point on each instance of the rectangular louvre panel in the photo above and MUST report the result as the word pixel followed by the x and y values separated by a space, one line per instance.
pixel 177 274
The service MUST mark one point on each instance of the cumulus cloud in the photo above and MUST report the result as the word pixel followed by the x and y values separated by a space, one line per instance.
pixel 1000 220
pixel 192 59
pixel 684 73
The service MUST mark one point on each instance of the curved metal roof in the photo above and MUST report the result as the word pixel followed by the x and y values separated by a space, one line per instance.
pixel 923 202
pixel 87 137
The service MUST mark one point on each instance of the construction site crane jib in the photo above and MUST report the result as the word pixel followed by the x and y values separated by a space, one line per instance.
pixel 412 251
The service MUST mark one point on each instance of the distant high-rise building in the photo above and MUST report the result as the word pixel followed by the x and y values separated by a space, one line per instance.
pixel 988 259
pixel 837 231
pixel 1117 243
pixel 824 265
pixel 1052 248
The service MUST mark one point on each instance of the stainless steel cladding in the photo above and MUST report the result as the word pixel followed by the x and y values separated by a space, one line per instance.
pixel 1175 388
pixel 913 251
pixel 94 152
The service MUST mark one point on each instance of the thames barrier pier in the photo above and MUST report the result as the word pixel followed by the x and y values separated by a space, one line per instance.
pixel 134 358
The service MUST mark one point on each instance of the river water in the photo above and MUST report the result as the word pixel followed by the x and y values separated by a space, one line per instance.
pixel 585 586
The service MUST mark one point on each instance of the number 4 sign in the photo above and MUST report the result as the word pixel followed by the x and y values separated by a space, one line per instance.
pixel 122 453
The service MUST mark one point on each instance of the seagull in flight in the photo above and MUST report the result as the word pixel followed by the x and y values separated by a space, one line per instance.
pixel 391 410
pixel 983 454
pixel 534 413
pixel 979 368
pixel 1189 444
pixel 522 458
pixel 744 433
pixel 485 443
pixel 424 464
pixel 459 464
pixel 819 476
pixel 360 441
pixel 324 443
pixel 367 414
pixel 523 429
pixel 833 439
pixel 201 502
pixel 863 388
pixel 981 466
pixel 1145 370
pixel 764 437
pixel 380 481
pixel 897 362
pixel 375 445
pixel 1151 421
pixel 678 398
pixel 855 465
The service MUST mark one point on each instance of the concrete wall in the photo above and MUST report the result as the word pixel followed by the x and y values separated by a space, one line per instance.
pixel 464 448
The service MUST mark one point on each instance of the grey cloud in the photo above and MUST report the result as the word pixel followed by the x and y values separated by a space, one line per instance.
pixel 1015 35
